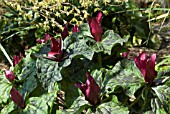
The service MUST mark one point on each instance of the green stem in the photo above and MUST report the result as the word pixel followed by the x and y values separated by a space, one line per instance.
pixel 134 102
pixel 6 54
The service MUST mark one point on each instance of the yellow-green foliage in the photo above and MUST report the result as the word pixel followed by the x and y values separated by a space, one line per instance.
pixel 54 12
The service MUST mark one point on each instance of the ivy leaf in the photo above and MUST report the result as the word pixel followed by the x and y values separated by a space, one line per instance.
pixel 48 73
pixel 109 39
pixel 124 74
pixel 77 107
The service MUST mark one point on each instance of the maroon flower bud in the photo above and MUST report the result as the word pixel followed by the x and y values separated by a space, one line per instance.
pixel 16 59
pixel 56 49
pixel 43 41
pixel 75 29
pixel 17 98
pixel 95 27
pixel 64 33
pixel 125 54
pixel 91 90
pixel 146 66
pixel 9 75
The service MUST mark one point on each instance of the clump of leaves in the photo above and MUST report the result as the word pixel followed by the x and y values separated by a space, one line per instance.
pixel 64 62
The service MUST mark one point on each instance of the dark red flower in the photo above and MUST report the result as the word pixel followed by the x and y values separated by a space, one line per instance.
pixel 91 90
pixel 125 54
pixel 75 29
pixel 17 98
pixel 9 75
pixel 64 33
pixel 56 49
pixel 146 66
pixel 16 59
pixel 95 27
pixel 43 41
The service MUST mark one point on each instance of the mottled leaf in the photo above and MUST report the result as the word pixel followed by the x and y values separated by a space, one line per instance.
pixel 29 84
pixel 25 68
pixel 124 74
pixel 78 106
pixel 112 107
pixel 8 108
pixel 48 73
pixel 35 105
pixel 109 39
pixel 163 96
pixel 6 87
pixel 80 48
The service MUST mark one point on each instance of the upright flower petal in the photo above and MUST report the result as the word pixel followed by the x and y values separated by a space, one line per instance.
pixel 9 75
pixel 56 49
pixel 17 98
pixel 125 54
pixel 43 41
pixel 91 90
pixel 150 69
pixel 141 61
pixel 64 33
pixel 16 59
pixel 99 17
pixel 95 27
pixel 75 29
pixel 146 66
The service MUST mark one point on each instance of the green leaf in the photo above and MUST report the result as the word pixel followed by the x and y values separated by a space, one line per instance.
pixel 76 71
pixel 8 108
pixel 163 67
pixel 112 107
pixel 157 107
pixel 25 68
pixel 163 96
pixel 71 75
pixel 80 48
pixel 84 32
pixel 48 73
pixel 98 76
pixel 35 105
pixel 6 87
pixel 77 107
pixel 124 74
pixel 29 84
pixel 109 39
pixel 97 46
pixel 35 49
pixel 50 97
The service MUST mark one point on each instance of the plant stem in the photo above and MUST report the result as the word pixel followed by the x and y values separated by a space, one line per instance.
pixel 135 101
pixel 6 54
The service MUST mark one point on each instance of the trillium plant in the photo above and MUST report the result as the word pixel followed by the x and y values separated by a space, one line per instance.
pixel 84 69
